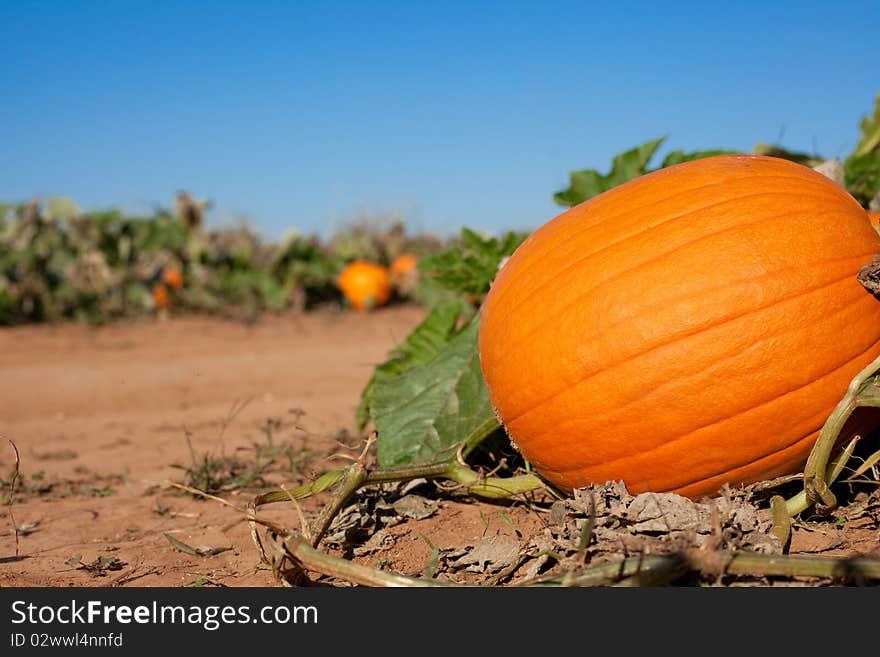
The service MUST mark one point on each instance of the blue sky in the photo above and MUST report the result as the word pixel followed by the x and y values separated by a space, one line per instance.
pixel 306 114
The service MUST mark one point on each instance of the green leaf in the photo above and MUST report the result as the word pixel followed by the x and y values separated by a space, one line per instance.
pixel 862 167
pixel 633 163
pixel 862 175
pixel 470 268
pixel 679 156
pixel 795 156
pixel 587 183
pixel 584 184
pixel 870 126
pixel 423 413
pixel 426 340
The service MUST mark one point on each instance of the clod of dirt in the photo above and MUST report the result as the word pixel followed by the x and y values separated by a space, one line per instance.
pixel 863 507
pixel 378 542
pixel 666 512
pixel 415 507
pixel 378 509
pixel 102 565
pixel 490 554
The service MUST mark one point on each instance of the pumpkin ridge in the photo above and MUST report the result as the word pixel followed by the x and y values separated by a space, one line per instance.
pixel 747 466
pixel 600 221
pixel 700 483
pixel 695 331
pixel 756 405
pixel 769 276
pixel 512 345
pixel 678 439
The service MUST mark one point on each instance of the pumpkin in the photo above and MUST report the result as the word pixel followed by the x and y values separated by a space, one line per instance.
pixel 404 275
pixel 403 264
pixel 689 329
pixel 160 297
pixel 366 285
pixel 173 278
pixel 874 218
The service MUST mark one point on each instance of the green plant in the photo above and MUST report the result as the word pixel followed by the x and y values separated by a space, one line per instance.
pixel 587 183
pixel 59 262
pixel 861 167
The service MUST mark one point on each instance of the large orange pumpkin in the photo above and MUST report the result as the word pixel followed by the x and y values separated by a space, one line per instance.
pixel 690 328
pixel 365 284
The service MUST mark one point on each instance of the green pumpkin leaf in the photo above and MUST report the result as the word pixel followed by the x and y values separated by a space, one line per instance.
pixel 862 175
pixel 633 163
pixel 470 267
pixel 795 156
pixel 679 156
pixel 862 167
pixel 425 342
pixel 583 185
pixel 870 138
pixel 587 183
pixel 424 412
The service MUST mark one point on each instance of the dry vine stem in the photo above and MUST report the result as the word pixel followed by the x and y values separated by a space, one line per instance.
pixel 642 570
pixel 300 550
pixel 12 482
pixel 344 483
pixel 821 470
pixel 634 571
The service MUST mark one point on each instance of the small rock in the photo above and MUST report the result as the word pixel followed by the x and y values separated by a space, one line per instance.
pixel 378 542
pixel 666 512
pixel 415 507
pixel 491 554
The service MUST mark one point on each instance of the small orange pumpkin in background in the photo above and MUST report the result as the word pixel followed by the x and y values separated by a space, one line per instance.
pixel 404 264
pixel 160 297
pixel 874 218
pixel 366 285
pixel 404 273
pixel 691 328
pixel 173 278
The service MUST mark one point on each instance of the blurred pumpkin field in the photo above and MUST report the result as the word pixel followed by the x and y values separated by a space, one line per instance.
pixel 60 262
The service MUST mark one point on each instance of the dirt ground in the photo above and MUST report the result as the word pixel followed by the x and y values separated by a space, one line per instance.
pixel 104 417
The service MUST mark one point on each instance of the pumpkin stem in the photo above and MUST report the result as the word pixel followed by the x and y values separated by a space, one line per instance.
pixel 863 391
pixel 781 527
pixel 869 276
pixel 801 502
